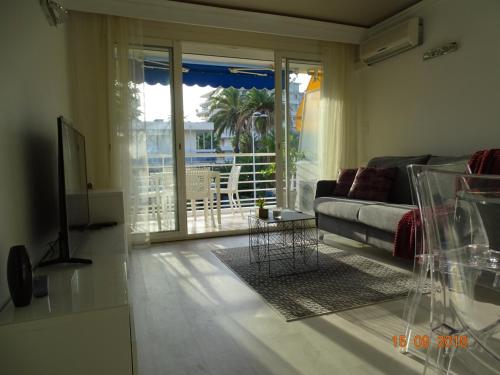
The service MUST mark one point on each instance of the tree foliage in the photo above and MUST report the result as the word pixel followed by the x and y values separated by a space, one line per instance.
pixel 232 110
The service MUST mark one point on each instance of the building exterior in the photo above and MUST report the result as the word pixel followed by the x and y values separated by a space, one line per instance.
pixel 198 135
pixel 294 100
pixel 198 140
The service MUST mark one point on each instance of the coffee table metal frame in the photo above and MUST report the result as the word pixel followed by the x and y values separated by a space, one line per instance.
pixel 291 241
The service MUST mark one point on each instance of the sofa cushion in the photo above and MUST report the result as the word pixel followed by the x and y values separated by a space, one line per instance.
pixel 373 184
pixel 383 216
pixel 340 208
pixel 344 182
pixel 400 191
pixel 456 163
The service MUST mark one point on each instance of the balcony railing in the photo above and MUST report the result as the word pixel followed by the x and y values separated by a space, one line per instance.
pixel 257 177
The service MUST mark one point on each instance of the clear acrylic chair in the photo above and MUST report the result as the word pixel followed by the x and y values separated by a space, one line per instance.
pixel 424 259
pixel 460 216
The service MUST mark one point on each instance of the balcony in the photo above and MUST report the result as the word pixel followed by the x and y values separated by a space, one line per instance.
pixel 155 209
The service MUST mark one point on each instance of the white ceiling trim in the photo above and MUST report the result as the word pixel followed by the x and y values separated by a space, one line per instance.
pixel 200 15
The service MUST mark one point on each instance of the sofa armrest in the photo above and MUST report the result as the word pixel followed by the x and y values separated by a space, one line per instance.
pixel 325 188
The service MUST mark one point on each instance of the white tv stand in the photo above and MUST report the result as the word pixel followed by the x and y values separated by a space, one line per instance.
pixel 84 325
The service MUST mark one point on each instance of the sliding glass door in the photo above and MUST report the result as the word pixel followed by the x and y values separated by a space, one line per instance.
pixel 154 188
pixel 203 152
pixel 301 103
pixel 204 142
pixel 229 137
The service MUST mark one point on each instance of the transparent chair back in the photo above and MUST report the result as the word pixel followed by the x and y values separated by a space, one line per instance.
pixel 460 216
pixel 416 307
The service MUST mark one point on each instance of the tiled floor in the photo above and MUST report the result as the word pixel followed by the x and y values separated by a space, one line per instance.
pixel 194 316
pixel 229 221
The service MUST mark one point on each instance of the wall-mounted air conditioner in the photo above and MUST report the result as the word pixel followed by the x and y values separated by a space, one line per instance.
pixel 392 41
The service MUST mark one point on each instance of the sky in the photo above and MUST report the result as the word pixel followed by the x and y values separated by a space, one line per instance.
pixel 158 102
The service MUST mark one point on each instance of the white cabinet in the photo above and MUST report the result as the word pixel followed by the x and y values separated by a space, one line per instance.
pixel 84 325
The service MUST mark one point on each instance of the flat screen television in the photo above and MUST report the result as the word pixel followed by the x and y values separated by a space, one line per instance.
pixel 74 214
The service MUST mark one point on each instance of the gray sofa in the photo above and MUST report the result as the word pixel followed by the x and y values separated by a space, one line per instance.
pixel 371 222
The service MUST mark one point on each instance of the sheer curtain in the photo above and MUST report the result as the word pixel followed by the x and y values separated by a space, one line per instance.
pixel 107 68
pixel 338 126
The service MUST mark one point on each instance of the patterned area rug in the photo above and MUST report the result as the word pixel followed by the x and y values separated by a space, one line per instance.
pixel 343 281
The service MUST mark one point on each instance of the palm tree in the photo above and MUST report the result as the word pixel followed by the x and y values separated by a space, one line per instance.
pixel 261 101
pixel 233 109
pixel 225 111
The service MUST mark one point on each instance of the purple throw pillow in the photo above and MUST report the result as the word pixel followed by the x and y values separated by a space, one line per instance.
pixel 344 182
pixel 373 184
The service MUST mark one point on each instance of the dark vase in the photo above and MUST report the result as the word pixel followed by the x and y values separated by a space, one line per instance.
pixel 19 276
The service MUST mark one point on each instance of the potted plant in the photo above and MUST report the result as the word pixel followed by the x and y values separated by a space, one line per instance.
pixel 263 212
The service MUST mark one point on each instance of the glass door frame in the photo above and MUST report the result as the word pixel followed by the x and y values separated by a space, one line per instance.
pixel 280 138
pixel 281 134
pixel 282 70
pixel 178 142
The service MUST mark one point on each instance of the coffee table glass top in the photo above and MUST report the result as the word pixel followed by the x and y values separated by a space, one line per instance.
pixel 286 215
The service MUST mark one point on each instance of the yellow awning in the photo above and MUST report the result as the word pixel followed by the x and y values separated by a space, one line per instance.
pixel 314 84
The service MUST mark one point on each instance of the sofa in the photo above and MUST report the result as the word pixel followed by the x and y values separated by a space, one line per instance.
pixel 373 222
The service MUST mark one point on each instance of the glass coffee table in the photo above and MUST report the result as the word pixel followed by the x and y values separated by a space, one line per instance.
pixel 283 246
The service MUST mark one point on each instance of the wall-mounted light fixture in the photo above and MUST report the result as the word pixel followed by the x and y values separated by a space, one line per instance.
pixel 440 51
pixel 55 12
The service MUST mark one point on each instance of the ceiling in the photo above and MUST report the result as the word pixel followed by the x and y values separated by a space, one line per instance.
pixel 363 13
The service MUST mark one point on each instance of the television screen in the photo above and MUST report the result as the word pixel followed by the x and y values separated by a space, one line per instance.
pixel 74 202
pixel 75 177
pixel 74 215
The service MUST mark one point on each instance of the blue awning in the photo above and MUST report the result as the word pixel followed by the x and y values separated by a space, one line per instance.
pixel 247 77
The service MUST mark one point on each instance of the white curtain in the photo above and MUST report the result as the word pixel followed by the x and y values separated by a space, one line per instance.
pixel 88 71
pixel 106 62
pixel 338 125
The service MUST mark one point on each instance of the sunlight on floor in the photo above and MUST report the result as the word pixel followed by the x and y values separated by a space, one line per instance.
pixel 229 221
pixel 227 328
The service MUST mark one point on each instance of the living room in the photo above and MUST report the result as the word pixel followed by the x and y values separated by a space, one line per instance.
pixel 191 291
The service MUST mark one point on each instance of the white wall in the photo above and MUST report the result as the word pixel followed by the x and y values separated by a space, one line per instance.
pixel 448 105
pixel 33 93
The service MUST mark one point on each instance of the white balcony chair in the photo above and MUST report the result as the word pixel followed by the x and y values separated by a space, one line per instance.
pixel 144 203
pixel 231 189
pixel 153 194
pixel 198 188
pixel 163 187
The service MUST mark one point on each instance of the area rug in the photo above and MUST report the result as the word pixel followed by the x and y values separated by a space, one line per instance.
pixel 343 281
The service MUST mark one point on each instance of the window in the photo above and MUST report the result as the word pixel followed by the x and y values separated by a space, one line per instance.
pixel 204 141
pixel 153 143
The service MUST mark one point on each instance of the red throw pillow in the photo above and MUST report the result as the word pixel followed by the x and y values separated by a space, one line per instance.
pixel 373 184
pixel 344 182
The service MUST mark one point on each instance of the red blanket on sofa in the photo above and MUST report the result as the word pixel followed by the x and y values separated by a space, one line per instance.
pixel 406 235
pixel 408 238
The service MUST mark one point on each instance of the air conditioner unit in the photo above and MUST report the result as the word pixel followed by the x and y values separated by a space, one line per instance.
pixel 392 41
